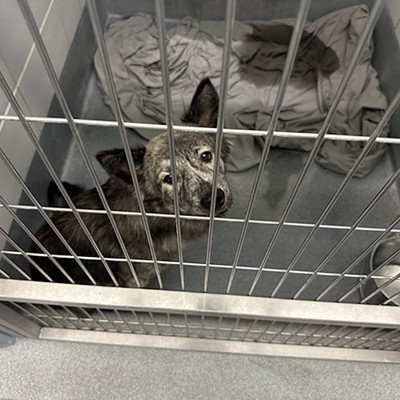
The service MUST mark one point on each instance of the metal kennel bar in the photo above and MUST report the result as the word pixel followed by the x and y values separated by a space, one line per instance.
pixel 124 138
pixel 359 323
pixel 30 21
pixel 378 131
pixel 160 15
pixel 201 321
pixel 373 18
pixel 229 22
pixel 181 128
pixel 293 47
pixel 45 160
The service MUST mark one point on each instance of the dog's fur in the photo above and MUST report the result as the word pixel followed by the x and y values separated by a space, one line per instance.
pixel 194 177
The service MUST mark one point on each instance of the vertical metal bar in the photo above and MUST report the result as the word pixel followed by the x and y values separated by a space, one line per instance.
pixel 106 319
pixel 371 141
pixel 229 23
pixel 384 339
pixel 24 254
pixel 186 324
pixel 95 321
pixel 356 261
pixel 49 317
pixel 363 254
pixel 217 328
pixel 279 331
pixel 29 313
pixel 154 322
pixel 337 335
pixel 14 266
pixel 123 319
pixel 169 321
pixel 34 239
pixel 234 327
pixel 69 311
pixel 110 320
pixel 371 205
pixel 287 70
pixel 4 274
pixel 36 144
pixel 315 333
pixel 375 12
pixel 30 21
pixel 388 282
pixel 48 220
pixel 270 325
pixel 124 137
pixel 203 322
pixel 71 318
pixel 47 310
pixel 295 334
pixel 249 329
pixel 18 110
pixel 367 338
pixel 72 321
pixel 162 36
pixel 391 346
pixel 347 338
pixel 139 322
pixel 289 334
pixel 391 298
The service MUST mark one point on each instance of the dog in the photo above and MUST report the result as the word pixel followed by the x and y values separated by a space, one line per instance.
pixel 195 156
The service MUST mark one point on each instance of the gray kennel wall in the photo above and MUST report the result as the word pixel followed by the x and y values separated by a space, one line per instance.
pixel 23 70
pixel 236 320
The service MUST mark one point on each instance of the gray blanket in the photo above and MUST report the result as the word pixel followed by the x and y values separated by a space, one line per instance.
pixel 258 54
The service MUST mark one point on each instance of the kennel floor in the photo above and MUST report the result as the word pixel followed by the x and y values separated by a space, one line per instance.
pixel 275 187
pixel 54 370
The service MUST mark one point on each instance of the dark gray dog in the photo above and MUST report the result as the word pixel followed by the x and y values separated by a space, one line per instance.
pixel 194 164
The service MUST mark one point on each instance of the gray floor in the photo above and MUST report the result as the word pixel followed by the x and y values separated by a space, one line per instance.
pixel 33 369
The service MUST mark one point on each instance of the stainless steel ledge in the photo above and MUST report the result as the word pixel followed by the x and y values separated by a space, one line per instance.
pixel 220 346
pixel 200 304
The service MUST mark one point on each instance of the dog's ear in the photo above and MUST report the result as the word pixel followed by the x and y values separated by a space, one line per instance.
pixel 115 162
pixel 204 107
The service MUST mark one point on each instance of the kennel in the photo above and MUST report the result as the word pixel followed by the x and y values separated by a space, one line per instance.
pixel 286 273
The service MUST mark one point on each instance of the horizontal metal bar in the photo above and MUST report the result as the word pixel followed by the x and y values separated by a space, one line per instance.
pixel 4 253
pixel 199 303
pixel 220 346
pixel 161 127
pixel 17 323
pixel 200 218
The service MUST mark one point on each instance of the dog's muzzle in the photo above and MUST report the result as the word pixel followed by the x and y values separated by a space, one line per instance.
pixel 220 200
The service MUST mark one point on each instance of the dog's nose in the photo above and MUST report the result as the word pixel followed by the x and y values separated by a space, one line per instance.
pixel 220 200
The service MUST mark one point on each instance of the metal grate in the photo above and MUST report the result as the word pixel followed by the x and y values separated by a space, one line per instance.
pixel 212 327
pixel 84 315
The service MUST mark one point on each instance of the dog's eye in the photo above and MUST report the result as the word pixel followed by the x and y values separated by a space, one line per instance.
pixel 206 156
pixel 168 179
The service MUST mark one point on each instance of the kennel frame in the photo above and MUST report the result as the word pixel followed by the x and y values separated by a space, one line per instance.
pixel 358 317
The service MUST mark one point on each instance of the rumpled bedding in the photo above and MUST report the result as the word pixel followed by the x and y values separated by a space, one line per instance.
pixel 258 55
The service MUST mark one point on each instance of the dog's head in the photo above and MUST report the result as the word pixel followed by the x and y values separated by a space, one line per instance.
pixel 195 158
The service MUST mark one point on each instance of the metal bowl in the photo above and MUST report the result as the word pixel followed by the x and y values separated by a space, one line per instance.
pixel 381 252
